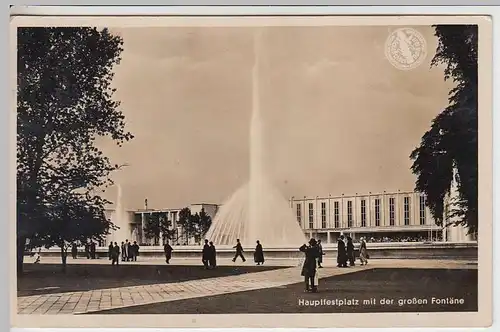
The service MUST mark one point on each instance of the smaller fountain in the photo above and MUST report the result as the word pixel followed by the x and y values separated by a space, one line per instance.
pixel 119 219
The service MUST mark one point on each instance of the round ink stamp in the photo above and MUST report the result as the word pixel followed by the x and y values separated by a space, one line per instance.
pixel 406 48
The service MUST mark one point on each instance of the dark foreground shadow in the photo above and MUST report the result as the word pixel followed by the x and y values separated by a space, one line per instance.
pixel 48 278
pixel 377 290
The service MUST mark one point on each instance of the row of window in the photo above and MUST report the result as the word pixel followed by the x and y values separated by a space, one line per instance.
pixel 336 212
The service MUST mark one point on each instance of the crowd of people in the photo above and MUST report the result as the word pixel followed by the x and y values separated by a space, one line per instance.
pixel 129 252
pixel 209 254
pixel 90 250
pixel 404 238
pixel 346 257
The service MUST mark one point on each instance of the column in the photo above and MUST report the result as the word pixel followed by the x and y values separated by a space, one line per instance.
pixel 354 211
pixel 143 222
pixel 328 237
pixel 369 210
pixel 399 220
pixel 329 213
pixel 341 211
pixel 316 220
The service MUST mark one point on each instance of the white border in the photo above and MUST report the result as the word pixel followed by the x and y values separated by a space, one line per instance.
pixel 388 10
pixel 247 10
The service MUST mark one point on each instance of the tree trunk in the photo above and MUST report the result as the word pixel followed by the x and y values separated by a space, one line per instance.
pixel 64 256
pixel 21 247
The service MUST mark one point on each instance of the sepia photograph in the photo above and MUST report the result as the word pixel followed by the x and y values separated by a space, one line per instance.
pixel 287 167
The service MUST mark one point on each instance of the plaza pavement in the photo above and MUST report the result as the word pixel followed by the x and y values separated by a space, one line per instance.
pixel 96 300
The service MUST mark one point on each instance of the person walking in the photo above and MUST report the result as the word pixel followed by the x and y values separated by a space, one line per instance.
pixel 213 256
pixel 239 251
pixel 363 253
pixel 309 266
pixel 167 248
pixel 350 251
pixel 258 255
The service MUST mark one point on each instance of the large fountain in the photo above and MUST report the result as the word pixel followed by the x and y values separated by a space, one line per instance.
pixel 119 219
pixel 257 210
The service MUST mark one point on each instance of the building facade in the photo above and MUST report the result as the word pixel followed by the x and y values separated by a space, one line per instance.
pixel 378 217
pixel 135 221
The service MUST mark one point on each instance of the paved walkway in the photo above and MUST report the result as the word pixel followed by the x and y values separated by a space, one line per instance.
pixel 96 300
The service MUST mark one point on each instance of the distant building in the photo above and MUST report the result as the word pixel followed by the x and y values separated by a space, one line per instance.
pixel 381 217
pixel 135 222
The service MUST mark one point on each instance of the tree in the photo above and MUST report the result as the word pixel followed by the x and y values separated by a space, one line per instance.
pixel 73 220
pixel 204 223
pixel 65 102
pixel 451 142
pixel 185 221
pixel 194 225
pixel 158 224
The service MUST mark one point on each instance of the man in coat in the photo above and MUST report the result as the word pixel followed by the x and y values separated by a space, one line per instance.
pixel 341 252
pixel 350 251
pixel 205 254
pixel 134 249
pixel 320 253
pixel 167 248
pixel 110 251
pixel 115 257
pixel 213 256
pixel 258 255
pixel 309 267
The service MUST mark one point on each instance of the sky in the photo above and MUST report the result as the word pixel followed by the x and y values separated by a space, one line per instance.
pixel 338 117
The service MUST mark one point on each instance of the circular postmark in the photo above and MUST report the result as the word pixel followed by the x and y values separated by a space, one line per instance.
pixel 406 48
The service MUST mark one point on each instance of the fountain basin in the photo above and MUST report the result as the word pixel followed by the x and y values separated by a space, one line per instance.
pixel 402 250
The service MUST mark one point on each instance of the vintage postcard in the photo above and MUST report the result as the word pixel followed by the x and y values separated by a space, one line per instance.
pixel 252 171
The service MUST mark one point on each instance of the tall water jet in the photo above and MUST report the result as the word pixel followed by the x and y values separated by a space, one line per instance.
pixel 119 218
pixel 257 210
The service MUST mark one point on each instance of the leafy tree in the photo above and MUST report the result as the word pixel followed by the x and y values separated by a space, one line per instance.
pixel 185 221
pixel 204 223
pixel 73 220
pixel 158 224
pixel 194 225
pixel 451 142
pixel 64 103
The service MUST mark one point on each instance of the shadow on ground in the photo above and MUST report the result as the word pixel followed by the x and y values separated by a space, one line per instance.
pixel 48 278
pixel 377 284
